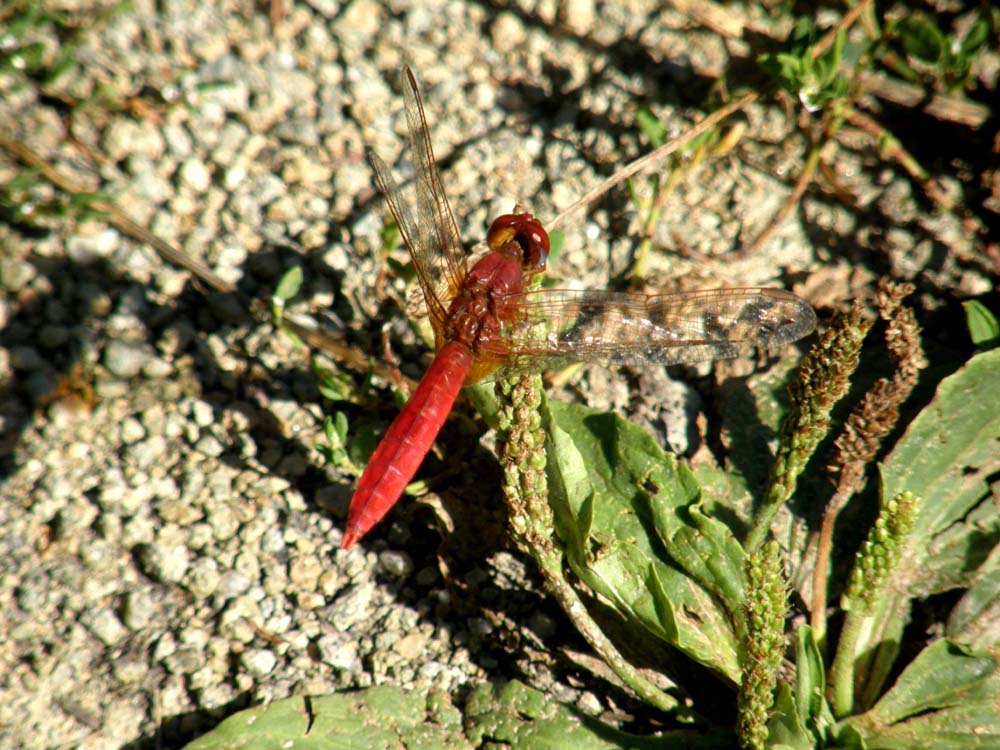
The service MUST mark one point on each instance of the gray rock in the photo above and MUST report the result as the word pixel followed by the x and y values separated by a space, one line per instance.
pixel 125 359
pixel 258 661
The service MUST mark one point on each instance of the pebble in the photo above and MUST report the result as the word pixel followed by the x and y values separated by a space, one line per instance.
pixel 105 625
pixel 233 583
pixel 85 249
pixel 304 571
pixel 125 359
pixel 203 578
pixel 396 564
pixel 326 8
pixel 126 137
pixel 223 521
pixel 137 609
pixel 411 645
pixel 309 600
pixel 353 606
pixel 258 661
pixel 184 661
pixel 338 654
pixel 194 174
pixel 163 563
pixel 132 430
pixel 209 445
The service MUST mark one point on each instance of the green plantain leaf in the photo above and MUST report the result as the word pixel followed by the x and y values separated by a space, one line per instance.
pixel 785 728
pixel 516 716
pixel 509 715
pixel 629 518
pixel 810 679
pixel 975 620
pixel 947 457
pixel 379 717
pixel 946 698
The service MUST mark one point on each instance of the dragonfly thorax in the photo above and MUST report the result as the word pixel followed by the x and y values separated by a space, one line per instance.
pixel 474 315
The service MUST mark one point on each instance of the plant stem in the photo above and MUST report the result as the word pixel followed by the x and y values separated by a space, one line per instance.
pixel 842 671
pixel 521 449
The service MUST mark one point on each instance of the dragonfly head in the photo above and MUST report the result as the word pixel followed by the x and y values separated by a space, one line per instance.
pixel 528 234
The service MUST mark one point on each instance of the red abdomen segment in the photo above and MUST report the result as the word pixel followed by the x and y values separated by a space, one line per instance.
pixel 409 437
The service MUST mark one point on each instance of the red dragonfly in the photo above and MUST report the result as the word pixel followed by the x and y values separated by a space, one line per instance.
pixel 485 317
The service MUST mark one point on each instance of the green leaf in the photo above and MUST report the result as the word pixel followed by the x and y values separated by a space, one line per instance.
pixel 921 38
pixel 289 285
pixel 362 446
pixel 379 717
pixel 651 126
pixel 335 386
pixel 389 236
pixel 785 728
pixel 704 547
pixel 976 38
pixel 982 324
pixel 557 239
pixel 810 678
pixel 512 715
pixel 946 698
pixel 948 457
pixel 621 504
pixel 975 620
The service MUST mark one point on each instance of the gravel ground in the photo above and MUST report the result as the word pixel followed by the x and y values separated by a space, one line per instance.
pixel 169 529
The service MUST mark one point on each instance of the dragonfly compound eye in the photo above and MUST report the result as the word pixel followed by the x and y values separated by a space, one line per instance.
pixel 527 232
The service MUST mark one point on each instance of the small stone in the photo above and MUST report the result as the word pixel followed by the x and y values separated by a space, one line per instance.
pixel 184 661
pixel 129 671
pixel 326 8
pixel 88 248
pixel 427 576
pixel 209 445
pixel 216 697
pixel 304 571
pixel 15 274
pixel 126 136
pixel 282 210
pixel 223 521
pixel 273 542
pixel 542 625
pixel 507 32
pixel 202 413
pixel 194 174
pixel 146 453
pixel 203 577
pixel 258 661
pixel 338 654
pixel 165 647
pixel 104 625
pixel 125 359
pixel 157 369
pixel 233 583
pixel 309 600
pixel 353 606
pixel 138 609
pixel 396 564
pixel 132 430
pixel 267 187
pixel 589 704
pixel 163 563
pixel 411 646
pixel 578 16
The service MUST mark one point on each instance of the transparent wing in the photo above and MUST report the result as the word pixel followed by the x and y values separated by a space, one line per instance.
pixel 431 236
pixel 438 255
pixel 546 327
